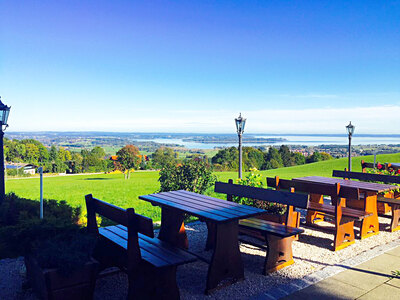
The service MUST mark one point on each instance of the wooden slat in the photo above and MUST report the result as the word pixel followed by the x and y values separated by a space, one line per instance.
pixel 330 209
pixel 211 208
pixel 154 251
pixel 367 165
pixel 281 197
pixel 198 206
pixel 184 255
pixel 318 188
pixel 110 211
pixel 119 215
pixel 145 225
pixel 221 205
pixel 366 176
pixel 147 256
pixel 183 208
pixel 388 200
pixel 307 187
pixel 167 254
pixel 269 227
pixel 243 209
pixel 365 186
pixel 395 166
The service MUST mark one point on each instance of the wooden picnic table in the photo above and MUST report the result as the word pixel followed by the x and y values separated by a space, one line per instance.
pixel 226 262
pixel 368 203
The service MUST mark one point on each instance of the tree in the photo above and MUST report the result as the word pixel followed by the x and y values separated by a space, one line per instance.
pixel 315 157
pixel 273 159
pixel 326 156
pixel 31 153
pixel 98 152
pixel 286 155
pixel 164 156
pixel 299 158
pixel 64 155
pixel 226 159
pixel 53 155
pixel 128 158
pixel 253 158
pixel 77 160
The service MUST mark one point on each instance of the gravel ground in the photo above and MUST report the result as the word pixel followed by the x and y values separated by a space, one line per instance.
pixel 312 253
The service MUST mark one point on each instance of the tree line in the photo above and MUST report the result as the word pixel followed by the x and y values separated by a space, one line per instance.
pixel 228 159
pixel 60 160
pixel 56 159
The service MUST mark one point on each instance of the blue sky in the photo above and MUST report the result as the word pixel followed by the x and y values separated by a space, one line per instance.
pixel 192 66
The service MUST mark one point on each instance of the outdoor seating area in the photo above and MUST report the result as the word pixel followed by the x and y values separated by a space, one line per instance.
pixel 196 150
pixel 322 214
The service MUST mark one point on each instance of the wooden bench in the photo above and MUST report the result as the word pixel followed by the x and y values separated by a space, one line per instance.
pixel 150 263
pixel 385 166
pixel 391 199
pixel 278 237
pixel 343 217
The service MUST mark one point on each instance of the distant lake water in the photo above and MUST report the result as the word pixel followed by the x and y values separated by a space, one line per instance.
pixel 308 140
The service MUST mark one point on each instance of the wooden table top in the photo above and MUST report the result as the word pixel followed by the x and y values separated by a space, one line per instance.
pixel 363 186
pixel 208 208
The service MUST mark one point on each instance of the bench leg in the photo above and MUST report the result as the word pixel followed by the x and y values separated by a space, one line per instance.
pixel 383 208
pixel 312 215
pixel 394 225
pixel 151 283
pixel 173 229
pixel 344 236
pixel 226 262
pixel 370 225
pixel 279 253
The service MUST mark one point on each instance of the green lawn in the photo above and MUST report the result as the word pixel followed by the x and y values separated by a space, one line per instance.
pixel 115 189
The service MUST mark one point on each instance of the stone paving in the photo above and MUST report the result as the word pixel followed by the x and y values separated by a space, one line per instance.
pixel 371 279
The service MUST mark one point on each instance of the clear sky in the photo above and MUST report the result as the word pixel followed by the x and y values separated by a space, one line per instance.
pixel 192 66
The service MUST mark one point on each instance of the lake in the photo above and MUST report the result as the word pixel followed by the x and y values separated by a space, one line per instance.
pixel 308 140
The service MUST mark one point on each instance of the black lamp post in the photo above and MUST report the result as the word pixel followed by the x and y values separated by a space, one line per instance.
pixel 350 131
pixel 240 122
pixel 4 111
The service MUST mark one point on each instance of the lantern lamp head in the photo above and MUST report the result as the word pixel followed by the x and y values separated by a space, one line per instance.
pixel 4 112
pixel 350 129
pixel 240 122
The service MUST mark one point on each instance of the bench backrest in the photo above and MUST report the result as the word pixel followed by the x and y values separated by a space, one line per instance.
pixel 334 191
pixel 127 217
pixel 365 165
pixel 366 176
pixel 303 187
pixel 385 166
pixel 281 197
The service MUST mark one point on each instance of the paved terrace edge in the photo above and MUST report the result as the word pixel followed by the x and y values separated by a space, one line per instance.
pixel 286 289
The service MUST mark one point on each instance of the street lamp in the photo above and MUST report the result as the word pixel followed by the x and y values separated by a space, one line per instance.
pixel 350 131
pixel 240 122
pixel 4 111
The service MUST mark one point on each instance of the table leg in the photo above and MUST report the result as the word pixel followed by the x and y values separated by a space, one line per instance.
pixel 370 225
pixel 173 228
pixel 226 262
pixel 211 231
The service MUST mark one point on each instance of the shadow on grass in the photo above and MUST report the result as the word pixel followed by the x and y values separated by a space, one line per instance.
pixel 101 178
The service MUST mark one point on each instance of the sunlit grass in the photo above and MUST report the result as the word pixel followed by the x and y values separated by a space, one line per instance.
pixel 115 189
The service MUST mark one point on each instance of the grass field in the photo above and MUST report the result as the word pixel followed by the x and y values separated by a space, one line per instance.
pixel 115 189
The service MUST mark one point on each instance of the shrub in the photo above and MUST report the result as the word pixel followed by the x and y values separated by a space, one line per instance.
pixel 194 175
pixel 20 225
pixel 67 251
pixel 255 179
